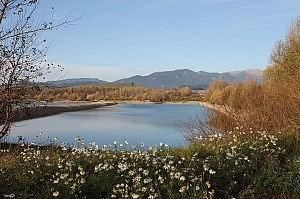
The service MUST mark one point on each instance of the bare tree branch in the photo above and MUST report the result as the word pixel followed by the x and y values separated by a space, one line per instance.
pixel 22 53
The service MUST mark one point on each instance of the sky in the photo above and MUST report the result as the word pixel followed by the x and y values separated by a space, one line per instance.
pixel 114 39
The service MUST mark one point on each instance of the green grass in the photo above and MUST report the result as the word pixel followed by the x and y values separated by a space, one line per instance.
pixel 240 165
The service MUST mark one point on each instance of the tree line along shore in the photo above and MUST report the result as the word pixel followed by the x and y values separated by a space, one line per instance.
pixel 86 97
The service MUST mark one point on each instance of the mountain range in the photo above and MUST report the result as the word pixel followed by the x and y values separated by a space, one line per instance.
pixel 186 77
pixel 175 78
pixel 74 82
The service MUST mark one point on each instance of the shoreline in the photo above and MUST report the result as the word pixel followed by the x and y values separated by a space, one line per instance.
pixel 213 106
pixel 49 110
pixel 73 106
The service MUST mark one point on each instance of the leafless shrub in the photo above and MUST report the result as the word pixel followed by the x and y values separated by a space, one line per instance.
pixel 200 125
pixel 22 52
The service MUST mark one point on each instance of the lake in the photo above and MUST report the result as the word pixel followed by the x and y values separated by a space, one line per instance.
pixel 151 124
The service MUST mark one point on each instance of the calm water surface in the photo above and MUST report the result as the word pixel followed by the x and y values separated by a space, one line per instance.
pixel 135 123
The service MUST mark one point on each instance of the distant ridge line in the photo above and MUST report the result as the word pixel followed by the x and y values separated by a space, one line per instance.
pixel 170 79
pixel 180 77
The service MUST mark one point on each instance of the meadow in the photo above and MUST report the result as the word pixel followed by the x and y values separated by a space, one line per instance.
pixel 242 164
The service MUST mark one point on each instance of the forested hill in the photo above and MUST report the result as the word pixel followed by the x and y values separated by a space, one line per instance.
pixel 185 77
pixel 169 79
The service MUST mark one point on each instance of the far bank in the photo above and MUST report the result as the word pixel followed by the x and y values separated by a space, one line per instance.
pixel 72 106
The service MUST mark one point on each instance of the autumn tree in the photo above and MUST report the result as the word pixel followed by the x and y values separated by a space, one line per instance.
pixel 273 105
pixel 22 55
pixel 285 58
pixel 282 79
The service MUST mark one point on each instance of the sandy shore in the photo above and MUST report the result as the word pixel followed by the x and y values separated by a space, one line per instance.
pixel 206 104
pixel 47 110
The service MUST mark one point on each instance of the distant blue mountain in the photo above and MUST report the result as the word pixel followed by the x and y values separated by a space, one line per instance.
pixel 186 77
pixel 169 79
pixel 74 82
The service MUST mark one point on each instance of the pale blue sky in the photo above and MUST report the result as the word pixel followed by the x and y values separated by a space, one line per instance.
pixel 120 38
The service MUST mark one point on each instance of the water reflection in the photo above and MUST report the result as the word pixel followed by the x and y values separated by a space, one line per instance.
pixel 148 123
